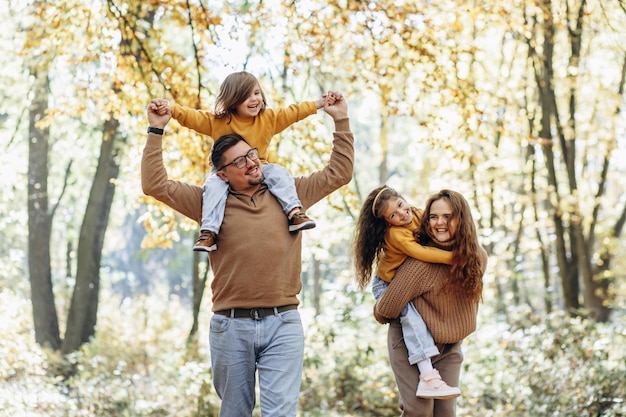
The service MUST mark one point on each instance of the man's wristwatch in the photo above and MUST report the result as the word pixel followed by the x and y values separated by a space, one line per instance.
pixel 155 130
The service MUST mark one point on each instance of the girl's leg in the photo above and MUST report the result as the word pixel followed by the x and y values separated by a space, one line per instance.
pixel 281 185
pixel 407 376
pixel 421 347
pixel 213 205
pixel 213 202
pixel 419 342
pixel 378 286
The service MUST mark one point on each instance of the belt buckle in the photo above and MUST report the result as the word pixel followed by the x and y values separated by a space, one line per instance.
pixel 256 314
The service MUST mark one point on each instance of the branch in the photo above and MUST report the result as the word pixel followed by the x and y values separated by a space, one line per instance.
pixel 195 52
pixel 600 193
pixel 68 170
pixel 619 225
pixel 605 167
pixel 19 122
pixel 134 30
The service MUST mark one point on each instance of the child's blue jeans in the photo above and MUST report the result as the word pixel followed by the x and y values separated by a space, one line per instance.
pixel 417 338
pixel 278 180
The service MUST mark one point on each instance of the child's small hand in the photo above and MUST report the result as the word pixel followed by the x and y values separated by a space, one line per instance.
pixel 162 106
pixel 337 97
pixel 332 97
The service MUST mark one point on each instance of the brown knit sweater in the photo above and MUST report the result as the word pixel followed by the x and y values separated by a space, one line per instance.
pixel 450 316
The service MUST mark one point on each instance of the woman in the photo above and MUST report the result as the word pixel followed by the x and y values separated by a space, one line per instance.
pixel 446 296
pixel 384 237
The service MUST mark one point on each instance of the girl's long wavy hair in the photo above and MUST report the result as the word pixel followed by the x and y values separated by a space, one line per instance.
pixel 235 89
pixel 466 271
pixel 369 237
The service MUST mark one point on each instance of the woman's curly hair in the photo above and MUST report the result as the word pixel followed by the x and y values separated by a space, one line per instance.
pixel 466 271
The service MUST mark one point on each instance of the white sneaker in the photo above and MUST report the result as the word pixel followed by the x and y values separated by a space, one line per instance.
pixel 432 386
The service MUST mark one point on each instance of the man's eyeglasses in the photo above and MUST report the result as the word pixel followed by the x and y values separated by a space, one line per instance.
pixel 240 161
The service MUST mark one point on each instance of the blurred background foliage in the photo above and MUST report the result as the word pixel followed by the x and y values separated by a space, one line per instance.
pixel 517 105
pixel 140 365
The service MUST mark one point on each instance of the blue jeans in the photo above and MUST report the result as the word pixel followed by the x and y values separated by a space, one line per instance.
pixel 273 347
pixel 417 338
pixel 278 180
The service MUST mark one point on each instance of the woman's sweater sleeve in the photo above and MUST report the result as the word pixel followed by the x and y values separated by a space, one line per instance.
pixel 412 280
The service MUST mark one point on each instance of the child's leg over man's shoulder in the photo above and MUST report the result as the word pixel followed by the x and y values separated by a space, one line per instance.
pixel 281 185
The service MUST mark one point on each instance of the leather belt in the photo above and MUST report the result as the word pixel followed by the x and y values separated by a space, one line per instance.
pixel 255 313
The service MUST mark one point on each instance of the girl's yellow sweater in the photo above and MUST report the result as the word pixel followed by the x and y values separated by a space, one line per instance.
pixel 258 131
pixel 400 244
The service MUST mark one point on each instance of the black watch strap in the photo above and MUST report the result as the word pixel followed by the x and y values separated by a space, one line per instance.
pixel 155 130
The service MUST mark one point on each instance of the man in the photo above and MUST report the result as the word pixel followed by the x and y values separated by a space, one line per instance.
pixel 256 326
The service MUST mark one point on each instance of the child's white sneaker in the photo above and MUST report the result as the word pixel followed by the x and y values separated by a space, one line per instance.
pixel 432 386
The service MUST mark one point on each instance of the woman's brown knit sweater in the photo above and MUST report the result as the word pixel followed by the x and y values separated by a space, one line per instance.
pixel 450 316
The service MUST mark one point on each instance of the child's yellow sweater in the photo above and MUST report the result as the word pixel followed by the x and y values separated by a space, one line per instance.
pixel 400 244
pixel 258 132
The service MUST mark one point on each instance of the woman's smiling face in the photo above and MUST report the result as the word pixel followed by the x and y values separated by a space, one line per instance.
pixel 441 220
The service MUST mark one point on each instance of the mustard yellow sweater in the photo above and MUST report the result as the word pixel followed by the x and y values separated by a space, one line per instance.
pixel 400 244
pixel 258 132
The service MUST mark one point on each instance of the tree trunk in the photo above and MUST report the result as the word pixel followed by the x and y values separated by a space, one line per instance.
pixel 83 312
pixel 317 285
pixel 597 284
pixel 199 284
pixel 40 219
pixel 568 271
pixel 543 247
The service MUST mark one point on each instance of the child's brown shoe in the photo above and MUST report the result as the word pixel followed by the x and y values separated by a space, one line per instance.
pixel 300 221
pixel 207 242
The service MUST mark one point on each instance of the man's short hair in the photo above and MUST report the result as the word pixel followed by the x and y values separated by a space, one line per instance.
pixel 223 144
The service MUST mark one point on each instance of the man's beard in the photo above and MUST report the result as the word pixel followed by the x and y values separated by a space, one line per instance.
pixel 255 181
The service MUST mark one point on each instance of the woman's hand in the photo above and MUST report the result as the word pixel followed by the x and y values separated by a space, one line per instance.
pixel 378 317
